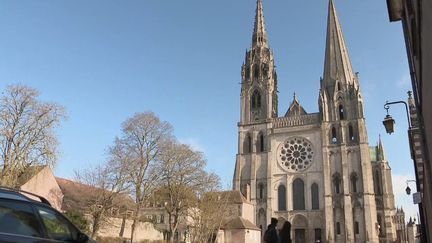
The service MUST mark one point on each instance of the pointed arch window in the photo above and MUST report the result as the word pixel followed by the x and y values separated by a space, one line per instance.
pixel 260 144
pixel 315 196
pixel 338 86
pixel 260 191
pixel 354 179
pixel 256 71
pixel 341 112
pixel 334 135
pixel 247 146
pixel 380 223
pixel 338 228
pixel 298 192
pixel 351 133
pixel 337 183
pixel 282 198
pixel 256 100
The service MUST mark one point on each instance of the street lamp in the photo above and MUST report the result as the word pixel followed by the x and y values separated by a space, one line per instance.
pixel 389 126
pixel 389 121
pixel 408 189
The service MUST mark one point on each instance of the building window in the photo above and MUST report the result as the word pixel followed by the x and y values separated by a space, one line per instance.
pixel 162 219
pixel 338 229
pixel 333 135
pixel 282 198
pixel 356 228
pixel 298 194
pixel 354 179
pixel 260 191
pixel 256 100
pixel 315 196
pixel 336 183
pixel 341 113
pixel 247 146
pixel 260 144
pixel 256 71
pixel 351 133
pixel 338 86
pixel 317 235
pixel 380 224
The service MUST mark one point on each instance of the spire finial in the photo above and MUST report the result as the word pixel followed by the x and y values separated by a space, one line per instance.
pixel 381 155
pixel 337 64
pixel 259 37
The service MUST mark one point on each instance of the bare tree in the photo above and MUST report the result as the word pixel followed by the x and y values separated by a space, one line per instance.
pixel 138 149
pixel 209 215
pixel 27 135
pixel 107 188
pixel 183 179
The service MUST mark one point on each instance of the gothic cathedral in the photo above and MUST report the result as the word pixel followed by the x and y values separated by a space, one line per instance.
pixel 315 170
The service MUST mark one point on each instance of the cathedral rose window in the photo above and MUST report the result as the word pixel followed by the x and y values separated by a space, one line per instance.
pixel 295 154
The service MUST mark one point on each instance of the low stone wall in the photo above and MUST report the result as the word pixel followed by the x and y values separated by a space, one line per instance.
pixel 144 230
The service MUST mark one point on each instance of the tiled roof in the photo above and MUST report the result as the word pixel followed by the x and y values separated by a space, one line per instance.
pixel 234 197
pixel 239 223
pixel 78 196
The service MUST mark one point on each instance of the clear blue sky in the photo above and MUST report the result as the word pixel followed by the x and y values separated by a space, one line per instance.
pixel 104 60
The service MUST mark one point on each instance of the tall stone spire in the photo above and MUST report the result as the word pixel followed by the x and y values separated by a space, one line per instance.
pixel 337 64
pixel 259 37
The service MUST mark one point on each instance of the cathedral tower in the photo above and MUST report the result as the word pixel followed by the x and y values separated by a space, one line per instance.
pixel 312 169
pixel 259 79
pixel 348 187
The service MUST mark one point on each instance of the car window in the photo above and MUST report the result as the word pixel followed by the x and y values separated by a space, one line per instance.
pixel 56 226
pixel 18 218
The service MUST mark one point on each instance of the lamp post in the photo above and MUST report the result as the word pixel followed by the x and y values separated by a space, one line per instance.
pixel 408 189
pixel 388 123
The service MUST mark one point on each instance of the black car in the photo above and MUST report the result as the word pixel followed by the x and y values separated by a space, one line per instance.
pixel 25 220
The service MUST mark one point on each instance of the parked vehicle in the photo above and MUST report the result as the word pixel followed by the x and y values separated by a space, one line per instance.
pixel 24 219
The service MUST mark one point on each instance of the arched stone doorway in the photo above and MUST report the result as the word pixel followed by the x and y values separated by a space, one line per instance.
pixel 299 229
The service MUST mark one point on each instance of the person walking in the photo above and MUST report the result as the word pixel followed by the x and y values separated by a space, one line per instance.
pixel 272 234
pixel 285 233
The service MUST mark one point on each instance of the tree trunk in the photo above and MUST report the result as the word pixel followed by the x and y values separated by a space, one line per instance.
pixel 135 221
pixel 95 228
pixel 122 226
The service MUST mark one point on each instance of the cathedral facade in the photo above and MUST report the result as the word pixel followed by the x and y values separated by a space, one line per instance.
pixel 315 170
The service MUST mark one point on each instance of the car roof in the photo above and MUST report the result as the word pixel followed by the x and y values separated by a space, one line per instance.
pixel 16 194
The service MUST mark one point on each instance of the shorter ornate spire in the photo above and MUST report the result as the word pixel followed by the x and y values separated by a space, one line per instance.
pixel 259 37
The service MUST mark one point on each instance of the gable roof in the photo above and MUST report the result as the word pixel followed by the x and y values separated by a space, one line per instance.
pixel 78 196
pixel 29 173
pixel 239 223
pixel 295 108
pixel 234 196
